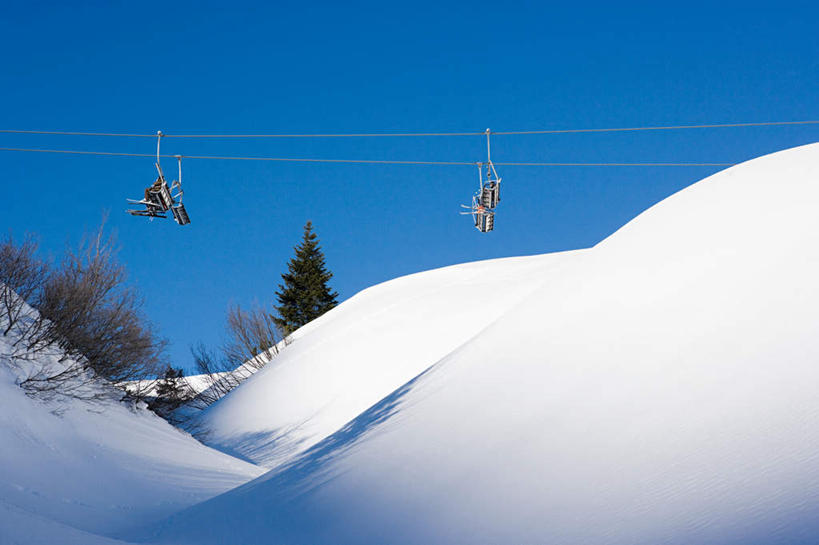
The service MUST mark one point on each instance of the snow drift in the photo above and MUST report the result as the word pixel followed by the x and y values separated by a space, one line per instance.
pixel 658 388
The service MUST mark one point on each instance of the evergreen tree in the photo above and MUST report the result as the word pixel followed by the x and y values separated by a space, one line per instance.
pixel 305 294
pixel 171 393
pixel 169 388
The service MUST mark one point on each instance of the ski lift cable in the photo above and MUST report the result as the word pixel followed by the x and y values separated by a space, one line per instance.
pixel 237 158
pixel 413 134
pixel 659 128
pixel 318 135
pixel 369 161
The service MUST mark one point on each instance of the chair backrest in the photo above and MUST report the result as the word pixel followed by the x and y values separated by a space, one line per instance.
pixel 490 195
pixel 484 220
pixel 180 214
pixel 164 196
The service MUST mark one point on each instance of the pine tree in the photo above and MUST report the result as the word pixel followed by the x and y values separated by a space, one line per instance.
pixel 171 393
pixel 169 389
pixel 305 294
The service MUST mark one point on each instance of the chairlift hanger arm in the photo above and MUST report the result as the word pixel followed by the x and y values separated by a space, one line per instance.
pixel 158 140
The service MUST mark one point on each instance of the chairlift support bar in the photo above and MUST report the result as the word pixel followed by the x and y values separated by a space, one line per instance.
pixel 159 136
pixel 158 140
pixel 490 166
pixel 180 215
pixel 177 184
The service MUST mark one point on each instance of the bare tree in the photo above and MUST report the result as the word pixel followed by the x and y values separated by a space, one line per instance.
pixel 218 376
pixel 89 326
pixel 253 340
pixel 254 336
pixel 22 275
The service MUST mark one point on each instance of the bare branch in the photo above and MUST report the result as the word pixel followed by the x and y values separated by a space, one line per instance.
pixel 253 340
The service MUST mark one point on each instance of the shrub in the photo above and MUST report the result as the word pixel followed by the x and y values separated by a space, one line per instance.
pixel 88 324
pixel 22 275
pixel 253 340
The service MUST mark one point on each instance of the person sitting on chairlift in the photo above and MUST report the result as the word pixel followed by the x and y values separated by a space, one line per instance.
pixel 155 187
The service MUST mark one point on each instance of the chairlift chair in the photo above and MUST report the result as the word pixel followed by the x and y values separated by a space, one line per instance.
pixel 484 220
pixel 159 198
pixel 490 193
pixel 490 185
pixel 160 192
pixel 487 198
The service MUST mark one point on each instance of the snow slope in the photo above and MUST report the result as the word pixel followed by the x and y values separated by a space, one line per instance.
pixel 350 358
pixel 72 472
pixel 658 388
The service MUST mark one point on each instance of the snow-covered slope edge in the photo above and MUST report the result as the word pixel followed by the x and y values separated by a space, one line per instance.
pixel 72 471
pixel 660 388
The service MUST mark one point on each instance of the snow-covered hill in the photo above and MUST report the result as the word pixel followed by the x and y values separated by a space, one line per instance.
pixel 353 356
pixel 657 388
pixel 72 472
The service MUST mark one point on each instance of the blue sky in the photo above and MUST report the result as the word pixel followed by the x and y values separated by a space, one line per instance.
pixel 276 67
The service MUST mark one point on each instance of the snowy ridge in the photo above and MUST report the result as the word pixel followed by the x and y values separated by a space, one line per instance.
pixel 658 388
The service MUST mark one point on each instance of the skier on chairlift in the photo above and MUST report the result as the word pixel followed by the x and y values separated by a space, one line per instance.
pixel 155 187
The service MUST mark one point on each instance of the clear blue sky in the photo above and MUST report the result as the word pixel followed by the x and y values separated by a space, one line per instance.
pixel 296 67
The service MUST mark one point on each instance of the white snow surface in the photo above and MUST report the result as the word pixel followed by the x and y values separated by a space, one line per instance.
pixel 657 388
pixel 347 360
pixel 73 472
